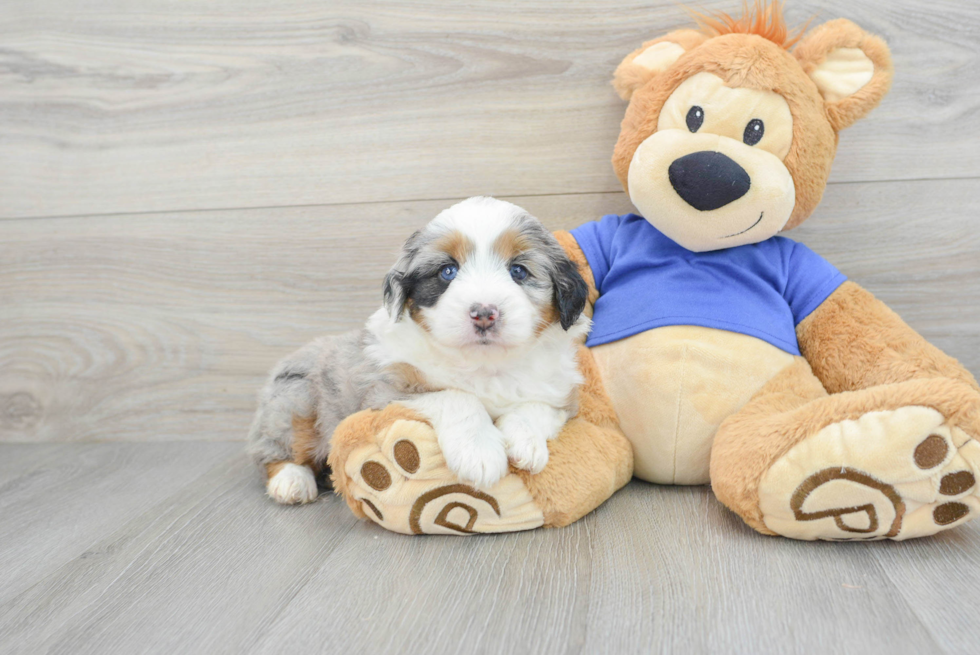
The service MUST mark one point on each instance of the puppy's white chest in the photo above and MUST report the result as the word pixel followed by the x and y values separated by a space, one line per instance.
pixel 501 394
pixel 501 391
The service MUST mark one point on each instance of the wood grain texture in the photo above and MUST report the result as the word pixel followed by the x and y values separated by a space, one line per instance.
pixel 123 106
pixel 215 567
pixel 58 509
pixel 159 327
pixel 21 459
pixel 525 592
pixel 205 571
pixel 920 572
pixel 712 585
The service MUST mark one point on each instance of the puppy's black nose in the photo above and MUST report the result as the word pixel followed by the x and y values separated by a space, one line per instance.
pixel 484 316
pixel 708 180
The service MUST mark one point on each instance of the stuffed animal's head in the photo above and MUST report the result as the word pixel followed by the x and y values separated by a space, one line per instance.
pixel 729 135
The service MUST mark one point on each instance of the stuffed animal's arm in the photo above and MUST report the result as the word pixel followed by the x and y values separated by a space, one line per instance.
pixel 854 341
pixel 575 253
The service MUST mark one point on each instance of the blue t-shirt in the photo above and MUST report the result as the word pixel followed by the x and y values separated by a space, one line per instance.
pixel 645 281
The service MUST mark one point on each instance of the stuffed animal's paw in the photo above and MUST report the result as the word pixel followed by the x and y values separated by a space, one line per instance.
pixel 400 480
pixel 886 475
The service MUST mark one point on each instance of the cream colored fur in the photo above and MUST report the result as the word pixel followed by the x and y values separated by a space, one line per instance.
pixel 673 386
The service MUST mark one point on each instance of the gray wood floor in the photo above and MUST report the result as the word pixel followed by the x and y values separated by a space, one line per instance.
pixel 171 547
pixel 189 191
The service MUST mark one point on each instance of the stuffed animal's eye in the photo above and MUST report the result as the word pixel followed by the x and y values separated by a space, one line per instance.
pixel 753 132
pixel 449 272
pixel 695 116
pixel 518 272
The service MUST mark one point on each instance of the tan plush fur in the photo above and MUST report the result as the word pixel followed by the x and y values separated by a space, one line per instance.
pixel 868 359
pixel 752 61
pixel 772 69
pixel 629 77
pixel 842 33
pixel 794 406
pixel 589 460
pixel 854 341
pixel 355 431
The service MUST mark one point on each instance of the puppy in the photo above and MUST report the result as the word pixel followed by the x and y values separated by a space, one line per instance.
pixel 479 332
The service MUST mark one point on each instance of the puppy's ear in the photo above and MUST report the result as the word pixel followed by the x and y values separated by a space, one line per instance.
pixel 394 293
pixel 851 68
pixel 396 284
pixel 571 292
pixel 653 58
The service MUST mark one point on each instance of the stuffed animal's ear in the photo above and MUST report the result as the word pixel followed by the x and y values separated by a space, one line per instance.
pixel 652 58
pixel 851 68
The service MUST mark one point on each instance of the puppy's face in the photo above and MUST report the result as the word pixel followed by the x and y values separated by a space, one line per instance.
pixel 484 274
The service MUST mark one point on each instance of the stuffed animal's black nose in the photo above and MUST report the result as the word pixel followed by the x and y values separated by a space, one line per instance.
pixel 708 180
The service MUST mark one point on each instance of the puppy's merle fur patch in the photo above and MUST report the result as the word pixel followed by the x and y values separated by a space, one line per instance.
pixel 414 279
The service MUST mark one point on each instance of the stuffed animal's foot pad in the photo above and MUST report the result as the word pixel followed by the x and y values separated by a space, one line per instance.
pixel 886 475
pixel 401 482
pixel 292 484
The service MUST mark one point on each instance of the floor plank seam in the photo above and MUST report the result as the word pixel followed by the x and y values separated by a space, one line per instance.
pixel 895 588
pixel 899 591
pixel 396 201
pixel 125 529
pixel 273 619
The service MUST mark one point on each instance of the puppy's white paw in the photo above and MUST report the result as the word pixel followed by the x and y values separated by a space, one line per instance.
pixel 293 484
pixel 530 454
pixel 478 459
pixel 526 447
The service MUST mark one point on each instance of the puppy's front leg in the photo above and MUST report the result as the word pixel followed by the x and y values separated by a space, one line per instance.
pixel 473 447
pixel 526 432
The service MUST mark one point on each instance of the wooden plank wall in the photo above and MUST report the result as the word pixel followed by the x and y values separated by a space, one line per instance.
pixel 189 191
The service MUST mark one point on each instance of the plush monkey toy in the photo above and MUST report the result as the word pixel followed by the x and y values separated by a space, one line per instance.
pixel 725 354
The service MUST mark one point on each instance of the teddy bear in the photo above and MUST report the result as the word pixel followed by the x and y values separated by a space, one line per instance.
pixel 721 353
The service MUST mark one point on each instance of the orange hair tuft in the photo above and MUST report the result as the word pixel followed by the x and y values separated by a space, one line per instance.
pixel 764 18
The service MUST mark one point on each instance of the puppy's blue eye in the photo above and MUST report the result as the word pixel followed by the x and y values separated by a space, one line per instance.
pixel 518 272
pixel 448 272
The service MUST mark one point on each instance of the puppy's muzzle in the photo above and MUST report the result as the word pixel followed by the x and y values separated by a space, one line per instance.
pixel 708 180
pixel 484 317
